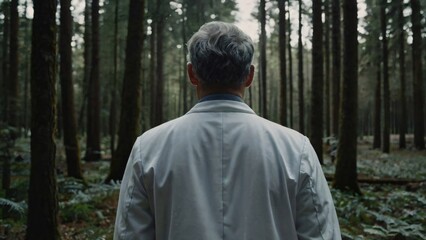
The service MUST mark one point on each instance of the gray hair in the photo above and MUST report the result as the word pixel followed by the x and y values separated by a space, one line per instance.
pixel 221 54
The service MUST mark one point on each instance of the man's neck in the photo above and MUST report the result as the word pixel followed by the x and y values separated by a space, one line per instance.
pixel 203 92
pixel 221 96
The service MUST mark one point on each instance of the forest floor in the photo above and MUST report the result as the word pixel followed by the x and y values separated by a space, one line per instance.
pixel 392 210
pixel 393 200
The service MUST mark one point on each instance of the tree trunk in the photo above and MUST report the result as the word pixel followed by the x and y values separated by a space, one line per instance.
pixel 419 141
pixel 6 158
pixel 5 60
pixel 42 221
pixel 327 68
pixel 93 146
pixel 262 44
pixel 72 149
pixel 283 72
pixel 300 74
pixel 403 104
pixel 377 140
pixel 336 68
pixel 12 114
pixel 386 90
pixel 113 109
pixel 27 46
pixel 346 169
pixel 59 126
pixel 87 62
pixel 184 74
pixel 130 105
pixel 316 116
pixel 290 66
pixel 159 73
pixel 152 71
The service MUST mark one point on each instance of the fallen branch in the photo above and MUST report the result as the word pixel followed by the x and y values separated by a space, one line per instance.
pixel 393 181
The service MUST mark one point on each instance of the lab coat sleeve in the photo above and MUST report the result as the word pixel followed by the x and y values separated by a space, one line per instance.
pixel 134 219
pixel 315 213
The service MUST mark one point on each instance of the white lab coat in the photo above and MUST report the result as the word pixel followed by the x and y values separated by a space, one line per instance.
pixel 222 172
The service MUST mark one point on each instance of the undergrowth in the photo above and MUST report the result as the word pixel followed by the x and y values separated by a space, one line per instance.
pixel 382 212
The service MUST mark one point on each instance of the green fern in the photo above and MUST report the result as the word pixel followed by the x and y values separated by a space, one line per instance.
pixel 18 207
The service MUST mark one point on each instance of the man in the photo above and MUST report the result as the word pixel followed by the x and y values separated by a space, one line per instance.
pixel 221 171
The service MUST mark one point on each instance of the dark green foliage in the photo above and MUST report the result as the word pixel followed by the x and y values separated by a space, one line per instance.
pixel 76 213
pixel 382 212
pixel 12 206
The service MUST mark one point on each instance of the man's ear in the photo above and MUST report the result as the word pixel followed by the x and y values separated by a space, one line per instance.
pixel 192 76
pixel 250 77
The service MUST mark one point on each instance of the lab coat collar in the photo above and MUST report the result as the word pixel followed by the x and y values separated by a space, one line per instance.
pixel 221 106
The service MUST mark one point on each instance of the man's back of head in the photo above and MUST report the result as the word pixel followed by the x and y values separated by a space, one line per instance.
pixel 221 55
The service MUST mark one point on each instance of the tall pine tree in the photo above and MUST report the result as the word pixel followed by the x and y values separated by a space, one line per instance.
pixel 72 149
pixel 346 169
pixel 42 220
pixel 316 117
pixel 93 145
pixel 129 127
pixel 418 94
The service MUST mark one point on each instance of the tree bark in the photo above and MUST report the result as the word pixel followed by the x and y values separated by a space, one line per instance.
pixel 93 146
pixel 418 94
pixel 72 149
pixel 262 46
pixel 386 89
pixel 129 128
pixel 300 74
pixel 184 53
pixel 27 48
pixel 316 116
pixel 159 73
pixel 290 66
pixel 346 169
pixel 87 63
pixel 5 60
pixel 152 71
pixel 377 140
pixel 42 221
pixel 336 66
pixel 283 73
pixel 113 109
pixel 403 103
pixel 327 80
pixel 12 114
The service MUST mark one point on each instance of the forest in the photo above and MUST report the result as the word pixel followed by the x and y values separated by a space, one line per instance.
pixel 80 80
